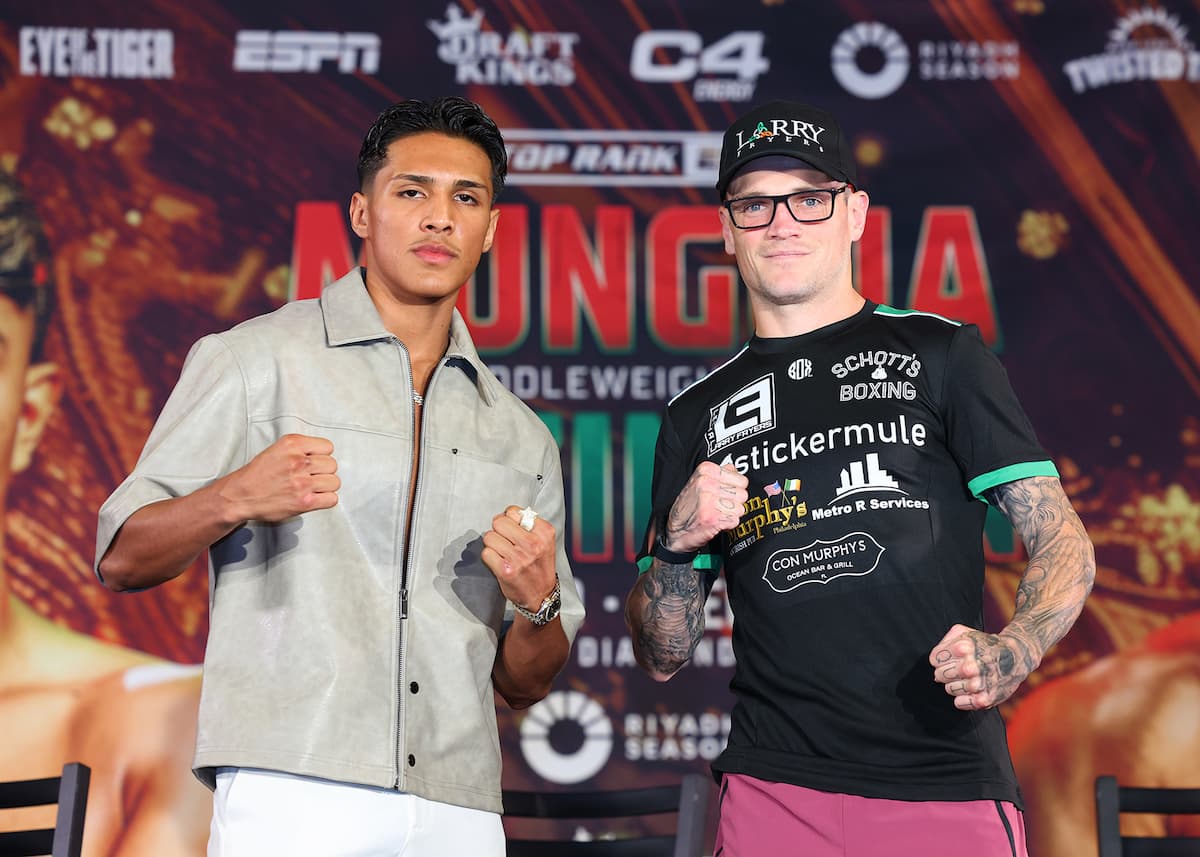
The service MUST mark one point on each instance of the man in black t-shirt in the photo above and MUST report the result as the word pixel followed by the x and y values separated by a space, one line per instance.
pixel 838 468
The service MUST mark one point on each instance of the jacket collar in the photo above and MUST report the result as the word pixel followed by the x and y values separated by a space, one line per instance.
pixel 350 317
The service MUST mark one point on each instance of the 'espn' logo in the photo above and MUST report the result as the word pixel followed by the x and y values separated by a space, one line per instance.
pixel 291 50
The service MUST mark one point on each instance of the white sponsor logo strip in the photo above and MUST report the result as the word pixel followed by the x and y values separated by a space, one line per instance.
pixel 299 51
pixel 1161 51
pixel 937 60
pixel 521 58
pixel 553 157
pixel 726 70
pixel 98 52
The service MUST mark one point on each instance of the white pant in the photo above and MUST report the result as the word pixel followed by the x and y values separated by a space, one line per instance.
pixel 263 813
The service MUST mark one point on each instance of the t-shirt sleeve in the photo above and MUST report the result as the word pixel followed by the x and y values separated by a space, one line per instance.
pixel 987 430
pixel 672 469
pixel 199 436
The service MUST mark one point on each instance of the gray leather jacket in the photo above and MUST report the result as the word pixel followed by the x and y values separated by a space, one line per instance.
pixel 328 655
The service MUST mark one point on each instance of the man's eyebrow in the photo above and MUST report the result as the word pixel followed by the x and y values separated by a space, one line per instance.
pixel 429 180
pixel 411 177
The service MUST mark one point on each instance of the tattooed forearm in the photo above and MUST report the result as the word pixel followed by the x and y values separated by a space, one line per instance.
pixel 1061 569
pixel 666 617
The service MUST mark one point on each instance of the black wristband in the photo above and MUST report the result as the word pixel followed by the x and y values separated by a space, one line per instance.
pixel 661 551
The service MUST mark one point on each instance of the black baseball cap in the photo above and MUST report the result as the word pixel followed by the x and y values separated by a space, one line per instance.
pixel 786 128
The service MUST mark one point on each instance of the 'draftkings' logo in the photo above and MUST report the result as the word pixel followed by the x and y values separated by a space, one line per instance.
pixel 522 58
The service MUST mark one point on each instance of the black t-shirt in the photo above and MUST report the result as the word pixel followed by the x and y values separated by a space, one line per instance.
pixel 867 443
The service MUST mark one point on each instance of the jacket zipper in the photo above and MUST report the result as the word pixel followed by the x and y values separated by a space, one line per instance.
pixel 407 561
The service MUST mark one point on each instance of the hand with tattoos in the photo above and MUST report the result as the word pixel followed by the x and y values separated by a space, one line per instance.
pixel 713 500
pixel 979 670
pixel 664 610
pixel 983 670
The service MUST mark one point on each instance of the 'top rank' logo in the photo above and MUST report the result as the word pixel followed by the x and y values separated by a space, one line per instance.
pixel 522 59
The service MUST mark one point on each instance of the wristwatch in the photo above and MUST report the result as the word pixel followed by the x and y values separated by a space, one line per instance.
pixel 549 608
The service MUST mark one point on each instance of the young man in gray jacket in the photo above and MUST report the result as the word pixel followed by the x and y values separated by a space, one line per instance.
pixel 371 499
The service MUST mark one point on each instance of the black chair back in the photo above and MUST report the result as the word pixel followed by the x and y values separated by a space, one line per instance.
pixel 69 790
pixel 1112 799
pixel 689 800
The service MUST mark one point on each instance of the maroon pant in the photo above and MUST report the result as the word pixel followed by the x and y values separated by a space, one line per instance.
pixel 762 818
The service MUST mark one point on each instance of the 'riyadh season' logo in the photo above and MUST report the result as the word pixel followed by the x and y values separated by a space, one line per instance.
pixel 943 61
pixel 566 738
pixel 870 84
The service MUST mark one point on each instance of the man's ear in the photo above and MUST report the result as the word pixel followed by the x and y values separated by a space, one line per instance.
pixel 43 387
pixel 726 230
pixel 858 203
pixel 490 235
pixel 358 214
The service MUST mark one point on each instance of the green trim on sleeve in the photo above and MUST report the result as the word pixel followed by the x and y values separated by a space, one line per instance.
pixel 702 562
pixel 1012 473
pixel 707 562
pixel 884 309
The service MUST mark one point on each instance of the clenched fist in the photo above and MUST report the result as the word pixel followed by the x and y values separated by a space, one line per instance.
pixel 979 670
pixel 522 561
pixel 295 474
pixel 713 500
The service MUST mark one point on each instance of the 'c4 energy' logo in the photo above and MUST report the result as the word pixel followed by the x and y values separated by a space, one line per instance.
pixel 746 413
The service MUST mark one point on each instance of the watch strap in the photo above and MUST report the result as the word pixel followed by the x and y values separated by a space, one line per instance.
pixel 661 551
pixel 549 608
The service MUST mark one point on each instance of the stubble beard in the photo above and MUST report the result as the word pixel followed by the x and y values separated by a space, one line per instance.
pixel 792 292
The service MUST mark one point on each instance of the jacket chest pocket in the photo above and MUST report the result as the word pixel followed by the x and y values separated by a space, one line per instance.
pixel 462 508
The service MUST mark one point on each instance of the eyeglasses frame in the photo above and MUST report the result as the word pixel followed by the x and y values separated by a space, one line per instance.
pixel 783 197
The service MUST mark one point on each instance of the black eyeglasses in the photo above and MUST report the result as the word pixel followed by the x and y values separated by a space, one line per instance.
pixel 805 206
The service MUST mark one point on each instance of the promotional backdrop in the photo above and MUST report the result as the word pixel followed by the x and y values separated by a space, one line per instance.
pixel 1032 166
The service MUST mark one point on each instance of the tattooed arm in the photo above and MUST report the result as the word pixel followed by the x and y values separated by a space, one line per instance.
pixel 665 608
pixel 982 670
pixel 665 613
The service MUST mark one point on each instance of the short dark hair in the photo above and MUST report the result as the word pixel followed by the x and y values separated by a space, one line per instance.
pixel 451 115
pixel 24 258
